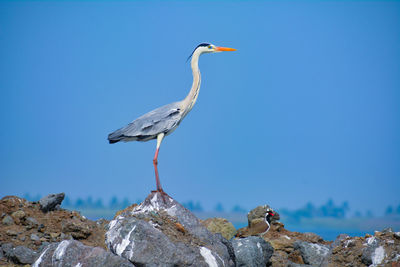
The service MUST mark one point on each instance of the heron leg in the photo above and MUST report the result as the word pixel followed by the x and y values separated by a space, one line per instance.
pixel 155 162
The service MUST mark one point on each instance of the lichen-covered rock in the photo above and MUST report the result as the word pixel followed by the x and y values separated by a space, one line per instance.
pixel 220 225
pixel 161 232
pixel 74 253
pixel 252 251
pixel 313 254
pixel 50 202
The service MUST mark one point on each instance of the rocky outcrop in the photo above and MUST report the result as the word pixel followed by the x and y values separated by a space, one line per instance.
pixel 381 249
pixel 74 253
pixel 161 232
pixel 51 202
pixel 25 229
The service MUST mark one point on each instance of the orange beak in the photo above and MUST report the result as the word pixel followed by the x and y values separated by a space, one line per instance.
pixel 220 49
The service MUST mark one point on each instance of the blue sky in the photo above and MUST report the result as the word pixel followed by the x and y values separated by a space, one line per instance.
pixel 307 109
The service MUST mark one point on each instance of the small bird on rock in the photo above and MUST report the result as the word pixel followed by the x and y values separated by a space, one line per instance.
pixel 258 226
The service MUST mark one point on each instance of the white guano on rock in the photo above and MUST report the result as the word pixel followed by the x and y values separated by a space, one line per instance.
pixel 39 260
pixel 124 243
pixel 208 257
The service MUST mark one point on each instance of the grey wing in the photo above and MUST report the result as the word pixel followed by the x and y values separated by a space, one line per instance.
pixel 148 126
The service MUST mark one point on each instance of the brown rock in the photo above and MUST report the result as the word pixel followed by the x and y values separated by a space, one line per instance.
pixel 19 214
pixel 76 228
pixel 54 235
pixel 11 233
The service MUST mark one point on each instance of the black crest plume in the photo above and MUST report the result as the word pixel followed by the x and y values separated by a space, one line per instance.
pixel 202 44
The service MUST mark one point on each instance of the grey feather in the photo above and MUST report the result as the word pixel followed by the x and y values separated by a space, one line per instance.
pixel 161 120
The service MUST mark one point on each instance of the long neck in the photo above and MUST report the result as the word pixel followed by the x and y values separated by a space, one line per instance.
pixel 190 99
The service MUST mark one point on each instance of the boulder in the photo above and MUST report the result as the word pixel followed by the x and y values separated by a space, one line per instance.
pixel 50 202
pixel 313 254
pixel 220 225
pixel 19 254
pixel 252 251
pixel 7 220
pixel 373 253
pixel 74 253
pixel 23 255
pixel 161 232
pixel 338 240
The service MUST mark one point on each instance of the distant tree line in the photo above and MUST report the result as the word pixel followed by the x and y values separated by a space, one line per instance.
pixel 90 203
pixel 329 209
pixel 391 211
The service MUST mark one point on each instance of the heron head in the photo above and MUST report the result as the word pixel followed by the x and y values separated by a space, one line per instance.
pixel 209 48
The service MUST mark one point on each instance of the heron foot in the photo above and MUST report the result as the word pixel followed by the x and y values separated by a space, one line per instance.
pixel 163 194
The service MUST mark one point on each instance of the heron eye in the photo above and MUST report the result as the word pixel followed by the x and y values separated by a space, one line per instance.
pixel 209 47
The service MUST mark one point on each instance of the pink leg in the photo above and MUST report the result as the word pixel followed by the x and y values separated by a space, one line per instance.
pixel 155 162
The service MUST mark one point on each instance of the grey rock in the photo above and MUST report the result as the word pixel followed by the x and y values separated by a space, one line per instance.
pixel 368 252
pixel 252 251
pixel 35 237
pixel 313 254
pixel 161 232
pixel 387 230
pixel 292 264
pixel 397 234
pixel 23 255
pixel 338 240
pixel 7 220
pixel 50 202
pixel 1 253
pixel 7 250
pixel 31 221
pixel 74 253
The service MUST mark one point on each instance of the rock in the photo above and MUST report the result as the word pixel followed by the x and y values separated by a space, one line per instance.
pixel 31 221
pixel 24 255
pixel 387 230
pixel 35 237
pixel 338 240
pixel 7 220
pixel 313 238
pixel 292 264
pixel 373 253
pixel 7 250
pixel 161 232
pixel 313 254
pixel 283 243
pixel 19 214
pixel 252 251
pixel 49 202
pixel 54 235
pixel 397 235
pixel 1 253
pixel 220 225
pixel 77 228
pixel 11 233
pixel 74 253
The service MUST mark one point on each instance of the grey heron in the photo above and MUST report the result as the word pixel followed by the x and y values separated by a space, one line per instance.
pixel 162 121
